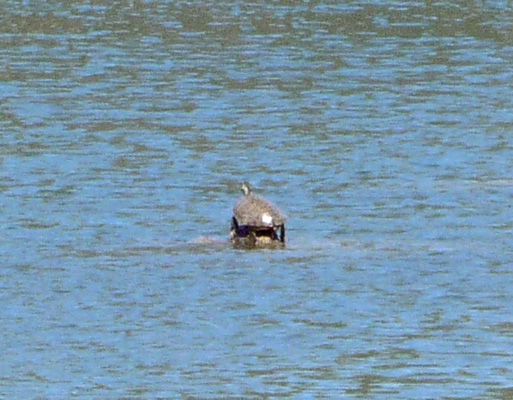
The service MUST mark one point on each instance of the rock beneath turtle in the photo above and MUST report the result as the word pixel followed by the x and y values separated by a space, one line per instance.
pixel 257 222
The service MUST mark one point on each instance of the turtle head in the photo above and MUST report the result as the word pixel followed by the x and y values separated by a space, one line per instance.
pixel 246 188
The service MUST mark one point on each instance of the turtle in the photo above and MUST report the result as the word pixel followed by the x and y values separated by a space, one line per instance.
pixel 256 222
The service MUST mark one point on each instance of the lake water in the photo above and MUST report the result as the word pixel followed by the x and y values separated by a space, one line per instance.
pixel 382 128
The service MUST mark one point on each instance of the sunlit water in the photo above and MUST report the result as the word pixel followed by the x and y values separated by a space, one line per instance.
pixel 384 132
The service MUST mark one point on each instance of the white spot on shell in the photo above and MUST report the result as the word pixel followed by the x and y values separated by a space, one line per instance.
pixel 267 219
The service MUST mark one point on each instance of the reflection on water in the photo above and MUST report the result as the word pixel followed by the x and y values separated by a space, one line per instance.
pixel 381 128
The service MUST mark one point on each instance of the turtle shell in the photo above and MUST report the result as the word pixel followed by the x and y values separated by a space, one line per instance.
pixel 254 210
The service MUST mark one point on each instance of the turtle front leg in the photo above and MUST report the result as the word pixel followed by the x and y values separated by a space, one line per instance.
pixel 235 225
